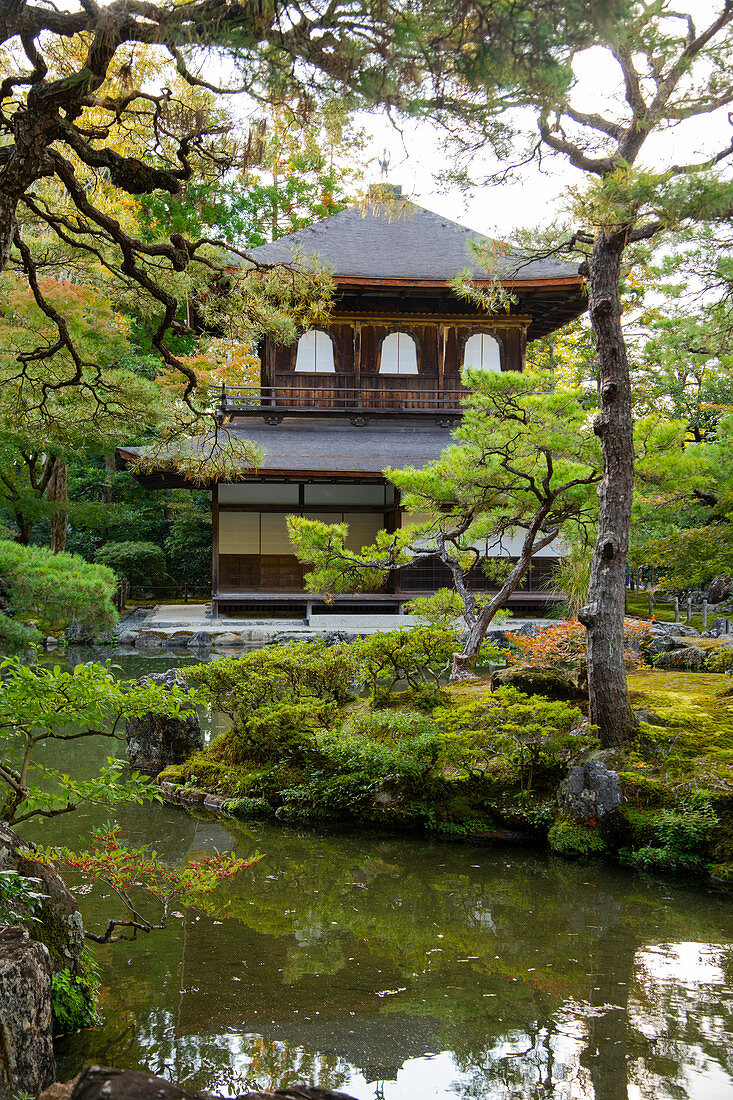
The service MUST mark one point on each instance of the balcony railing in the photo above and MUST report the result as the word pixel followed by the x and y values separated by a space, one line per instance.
pixel 272 403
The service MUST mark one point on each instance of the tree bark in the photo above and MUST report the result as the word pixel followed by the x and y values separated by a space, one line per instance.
pixel 603 615
pixel 57 493
pixel 462 662
pixel 25 528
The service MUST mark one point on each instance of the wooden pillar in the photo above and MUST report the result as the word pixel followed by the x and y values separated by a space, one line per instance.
pixel 357 355
pixel 395 522
pixel 441 354
pixel 215 549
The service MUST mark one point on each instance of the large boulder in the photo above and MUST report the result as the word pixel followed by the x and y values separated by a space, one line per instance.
pixel 660 643
pixel 58 923
pixel 688 659
pixel 102 1083
pixel 720 588
pixel 539 680
pixel 590 792
pixel 673 630
pixel 154 740
pixel 716 629
pixel 26 1043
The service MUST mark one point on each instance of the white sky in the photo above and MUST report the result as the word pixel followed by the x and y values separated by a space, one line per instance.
pixel 534 198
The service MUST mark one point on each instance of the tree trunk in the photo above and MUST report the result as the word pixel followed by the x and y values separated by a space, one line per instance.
pixel 109 472
pixel 603 616
pixel 462 662
pixel 25 528
pixel 57 493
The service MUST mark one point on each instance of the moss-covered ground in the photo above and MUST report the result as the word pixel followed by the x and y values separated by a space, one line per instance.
pixel 464 761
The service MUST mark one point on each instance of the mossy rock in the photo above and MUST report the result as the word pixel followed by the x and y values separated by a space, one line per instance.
pixel 539 680
pixel 687 659
pixel 250 809
pixel 722 875
pixel 575 841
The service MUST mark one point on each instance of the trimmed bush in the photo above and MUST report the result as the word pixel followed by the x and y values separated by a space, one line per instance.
pixel 55 590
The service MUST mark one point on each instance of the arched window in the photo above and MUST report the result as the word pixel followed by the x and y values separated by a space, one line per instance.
pixel 482 352
pixel 399 354
pixel 315 352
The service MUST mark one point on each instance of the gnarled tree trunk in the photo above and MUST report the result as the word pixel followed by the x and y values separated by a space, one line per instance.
pixel 603 615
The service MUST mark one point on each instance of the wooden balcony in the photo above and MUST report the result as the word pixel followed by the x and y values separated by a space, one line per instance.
pixel 325 396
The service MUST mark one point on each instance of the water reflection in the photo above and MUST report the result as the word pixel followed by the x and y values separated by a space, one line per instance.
pixel 400 968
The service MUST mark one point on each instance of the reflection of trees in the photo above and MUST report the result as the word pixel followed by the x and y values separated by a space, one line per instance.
pixel 506 959
pixel 685 1027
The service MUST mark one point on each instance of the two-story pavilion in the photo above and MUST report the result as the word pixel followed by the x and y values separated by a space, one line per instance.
pixel 379 385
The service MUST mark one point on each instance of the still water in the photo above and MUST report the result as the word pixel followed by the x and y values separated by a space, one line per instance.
pixel 402 968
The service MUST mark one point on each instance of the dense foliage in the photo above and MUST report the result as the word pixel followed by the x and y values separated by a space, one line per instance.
pixel 307 743
pixel 39 704
pixel 52 591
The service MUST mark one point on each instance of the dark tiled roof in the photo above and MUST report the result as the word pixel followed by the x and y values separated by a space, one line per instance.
pixel 404 241
pixel 338 448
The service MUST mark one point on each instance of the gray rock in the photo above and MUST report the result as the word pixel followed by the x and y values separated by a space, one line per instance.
pixel 720 588
pixel 178 638
pixel 285 637
pixel 102 1083
pixel 645 715
pixel 190 796
pixel 716 629
pixel 688 659
pixel 200 640
pixel 336 637
pixel 390 792
pixel 27 1063
pixel 78 634
pixel 590 792
pixel 128 637
pixel 50 642
pixel 223 641
pixel 539 680
pixel 216 803
pixel 672 630
pixel 59 924
pixel 149 639
pixel 154 741
pixel 660 643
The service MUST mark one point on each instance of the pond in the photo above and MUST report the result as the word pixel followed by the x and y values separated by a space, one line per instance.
pixel 400 968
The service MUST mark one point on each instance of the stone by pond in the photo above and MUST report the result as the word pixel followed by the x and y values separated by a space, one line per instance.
pixel 404 968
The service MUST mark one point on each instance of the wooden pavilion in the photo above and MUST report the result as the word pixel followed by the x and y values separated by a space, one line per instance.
pixel 379 385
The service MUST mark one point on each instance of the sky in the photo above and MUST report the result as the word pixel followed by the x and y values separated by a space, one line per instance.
pixel 535 197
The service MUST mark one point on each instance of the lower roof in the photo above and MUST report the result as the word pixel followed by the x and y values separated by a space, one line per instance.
pixel 337 449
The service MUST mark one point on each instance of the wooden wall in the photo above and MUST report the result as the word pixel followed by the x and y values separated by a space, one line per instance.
pixel 357 343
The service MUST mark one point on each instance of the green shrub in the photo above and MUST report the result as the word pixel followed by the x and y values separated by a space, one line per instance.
pixel 575 841
pixel 249 808
pixel 18 898
pixel 688 828
pixel 418 656
pixel 531 738
pixel 16 637
pixel 720 659
pixel 240 686
pixel 72 1001
pixel 56 590
pixel 139 562
pixel 664 860
pixel 443 608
